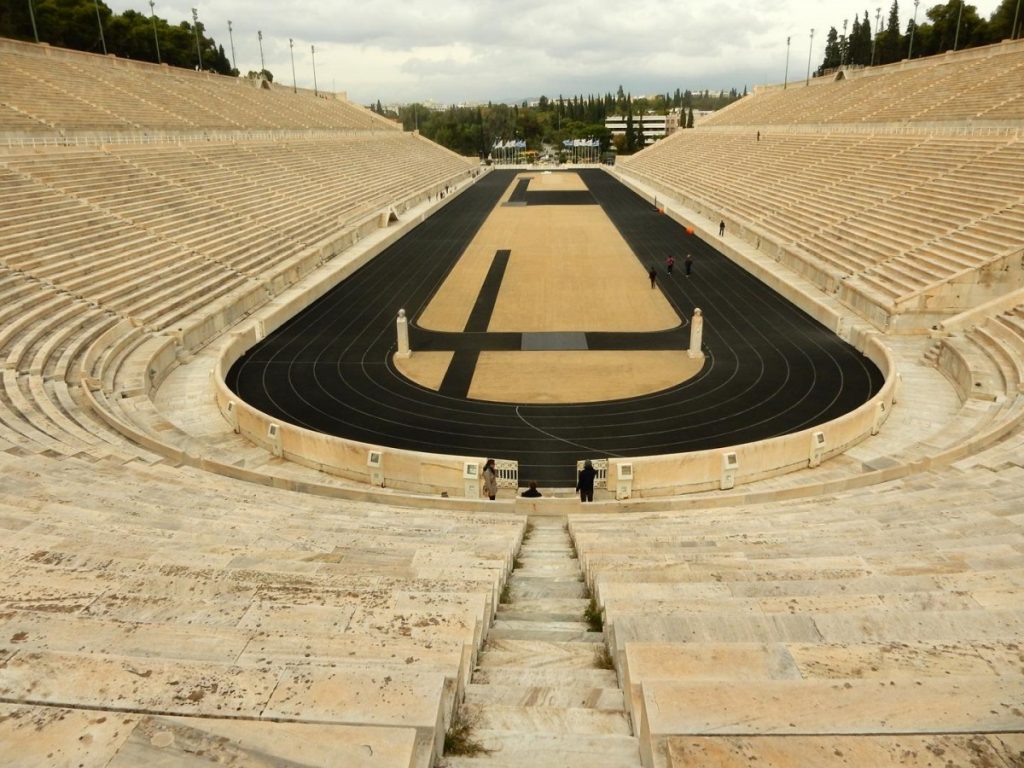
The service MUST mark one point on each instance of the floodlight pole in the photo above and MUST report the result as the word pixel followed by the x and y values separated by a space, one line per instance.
pixel 959 15
pixel 156 38
pixel 312 51
pixel 913 29
pixel 32 15
pixel 1016 17
pixel 878 31
pixel 99 23
pixel 810 50
pixel 263 67
pixel 291 49
pixel 845 45
pixel 231 37
pixel 195 26
pixel 785 81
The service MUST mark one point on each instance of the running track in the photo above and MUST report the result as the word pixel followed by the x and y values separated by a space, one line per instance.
pixel 770 368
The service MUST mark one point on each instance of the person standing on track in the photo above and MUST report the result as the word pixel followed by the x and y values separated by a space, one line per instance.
pixel 669 263
pixel 585 481
pixel 688 263
pixel 653 274
pixel 490 480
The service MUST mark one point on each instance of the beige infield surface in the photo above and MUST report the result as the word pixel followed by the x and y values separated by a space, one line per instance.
pixel 568 270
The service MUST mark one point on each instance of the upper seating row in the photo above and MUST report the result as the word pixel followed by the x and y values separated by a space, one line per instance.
pixel 889 215
pixel 45 89
pixel 982 85
pixel 158 231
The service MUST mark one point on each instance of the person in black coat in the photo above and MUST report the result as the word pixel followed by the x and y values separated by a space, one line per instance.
pixel 531 492
pixel 585 482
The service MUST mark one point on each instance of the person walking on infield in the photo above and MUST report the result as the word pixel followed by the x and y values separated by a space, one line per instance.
pixel 653 274
pixel 490 480
pixel 585 482
pixel 689 264
pixel 721 228
pixel 669 263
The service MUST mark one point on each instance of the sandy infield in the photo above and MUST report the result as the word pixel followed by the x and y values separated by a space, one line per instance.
pixel 568 270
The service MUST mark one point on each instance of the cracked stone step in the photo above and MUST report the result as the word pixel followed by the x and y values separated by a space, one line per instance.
pixel 529 589
pixel 552 751
pixel 530 720
pixel 546 677
pixel 557 635
pixel 519 612
pixel 523 654
pixel 562 695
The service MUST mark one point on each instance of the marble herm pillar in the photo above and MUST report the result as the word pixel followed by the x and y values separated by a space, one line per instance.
pixel 696 334
pixel 402 327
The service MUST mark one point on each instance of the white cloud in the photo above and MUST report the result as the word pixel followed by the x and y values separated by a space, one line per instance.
pixel 466 50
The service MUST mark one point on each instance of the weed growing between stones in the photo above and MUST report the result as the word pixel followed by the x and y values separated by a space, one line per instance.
pixel 594 616
pixel 603 658
pixel 459 738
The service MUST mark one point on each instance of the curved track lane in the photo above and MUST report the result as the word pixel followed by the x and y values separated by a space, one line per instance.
pixel 770 368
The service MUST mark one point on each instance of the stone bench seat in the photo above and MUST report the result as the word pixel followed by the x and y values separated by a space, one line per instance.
pixel 952 705
pixel 417 700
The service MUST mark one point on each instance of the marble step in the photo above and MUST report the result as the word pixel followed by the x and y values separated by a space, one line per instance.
pixel 531 720
pixel 508 750
pixel 562 695
pixel 524 588
pixel 526 654
pixel 574 606
pixel 545 677
pixel 559 631
pixel 531 568
pixel 533 611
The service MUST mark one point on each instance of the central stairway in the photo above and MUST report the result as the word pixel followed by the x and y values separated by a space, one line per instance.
pixel 543 693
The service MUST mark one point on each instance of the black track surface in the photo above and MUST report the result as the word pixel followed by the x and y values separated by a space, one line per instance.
pixel 770 369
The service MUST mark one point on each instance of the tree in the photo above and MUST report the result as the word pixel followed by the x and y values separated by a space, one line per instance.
pixel 1000 23
pixel 859 44
pixel 941 35
pixel 689 119
pixel 890 44
pixel 833 52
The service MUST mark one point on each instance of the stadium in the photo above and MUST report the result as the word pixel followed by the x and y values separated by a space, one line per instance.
pixel 191 576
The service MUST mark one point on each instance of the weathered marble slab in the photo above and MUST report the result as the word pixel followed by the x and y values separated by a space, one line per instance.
pixel 56 737
pixel 287 648
pixel 897 751
pixel 411 699
pixel 31 631
pixel 920 626
pixel 261 616
pixel 886 660
pixel 872 585
pixel 612 590
pixel 702 661
pixel 713 628
pixel 179 742
pixel 897 705
pixel 143 684
pixel 682 606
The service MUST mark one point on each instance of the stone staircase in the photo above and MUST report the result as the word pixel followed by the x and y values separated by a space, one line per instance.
pixel 543 692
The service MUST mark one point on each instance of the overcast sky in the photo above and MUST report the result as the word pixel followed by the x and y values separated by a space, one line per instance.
pixel 453 51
